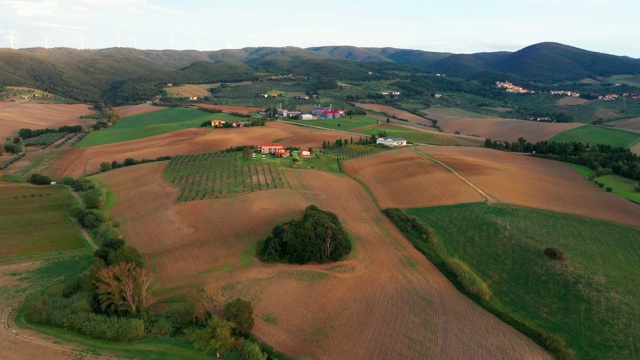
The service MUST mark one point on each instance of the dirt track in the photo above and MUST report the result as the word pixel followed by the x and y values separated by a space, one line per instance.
pixel 17 343
pixel 406 179
pixel 385 301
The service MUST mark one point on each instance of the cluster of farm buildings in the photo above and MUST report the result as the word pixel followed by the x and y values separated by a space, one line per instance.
pixel 318 113
pixel 513 88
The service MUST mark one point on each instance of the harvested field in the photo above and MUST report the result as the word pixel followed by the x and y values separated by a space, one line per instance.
pixel 539 183
pixel 40 116
pixel 626 124
pixel 189 90
pixel 228 108
pixel 385 301
pixel 572 101
pixel 132 110
pixel 501 129
pixel 393 111
pixel 421 135
pixel 78 161
pixel 406 179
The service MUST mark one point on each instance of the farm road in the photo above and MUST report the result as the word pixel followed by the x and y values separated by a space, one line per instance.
pixel 454 172
pixel 80 227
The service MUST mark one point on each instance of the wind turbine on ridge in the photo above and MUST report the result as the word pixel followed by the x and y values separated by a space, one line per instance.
pixel 228 41
pixel 171 41
pixel 12 39
pixel 81 39
pixel 117 38
pixel 135 42
pixel 46 40
pixel 198 43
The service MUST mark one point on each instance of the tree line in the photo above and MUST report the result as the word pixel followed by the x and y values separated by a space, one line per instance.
pixel 602 158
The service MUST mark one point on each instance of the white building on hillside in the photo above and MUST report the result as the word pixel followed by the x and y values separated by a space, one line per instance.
pixel 391 141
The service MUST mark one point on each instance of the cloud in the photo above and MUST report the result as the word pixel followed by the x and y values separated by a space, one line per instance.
pixel 56 26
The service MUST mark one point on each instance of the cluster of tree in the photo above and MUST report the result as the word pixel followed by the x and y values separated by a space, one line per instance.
pixel 602 158
pixel 339 143
pixel 105 166
pixel 29 133
pixel 108 118
pixel 14 145
pixel 39 179
pixel 317 237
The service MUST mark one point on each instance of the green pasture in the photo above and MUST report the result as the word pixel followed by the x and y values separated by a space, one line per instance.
pixel 150 124
pixel 592 300
pixel 34 221
pixel 599 135
pixel 622 186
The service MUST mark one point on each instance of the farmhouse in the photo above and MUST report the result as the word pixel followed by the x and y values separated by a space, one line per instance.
pixel 276 149
pixel 306 154
pixel 391 141
pixel 218 123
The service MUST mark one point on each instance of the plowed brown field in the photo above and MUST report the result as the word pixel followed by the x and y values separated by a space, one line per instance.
pixel 385 301
pixel 131 110
pixel 75 162
pixel 572 101
pixel 40 116
pixel 627 124
pixel 228 108
pixel 393 111
pixel 538 183
pixel 406 179
pixel 501 129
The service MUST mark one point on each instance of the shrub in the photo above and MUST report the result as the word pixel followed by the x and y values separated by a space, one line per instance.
pixel 105 166
pixel 39 179
pixel 469 280
pixel 94 198
pixel 240 312
pixel 609 189
pixel 555 254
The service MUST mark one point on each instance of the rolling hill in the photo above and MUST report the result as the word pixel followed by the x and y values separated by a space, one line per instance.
pixel 126 75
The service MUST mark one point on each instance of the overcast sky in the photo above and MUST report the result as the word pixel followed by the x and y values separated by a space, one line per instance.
pixel 460 26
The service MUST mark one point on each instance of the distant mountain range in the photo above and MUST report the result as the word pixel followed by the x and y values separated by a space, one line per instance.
pixel 88 75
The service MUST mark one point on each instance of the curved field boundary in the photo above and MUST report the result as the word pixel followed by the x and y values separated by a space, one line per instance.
pixel 489 198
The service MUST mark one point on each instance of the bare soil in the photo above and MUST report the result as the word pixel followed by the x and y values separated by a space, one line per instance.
pixel 501 129
pixel 627 124
pixel 39 116
pixel 384 301
pixel 406 179
pixel 572 101
pixel 533 182
pixel 131 110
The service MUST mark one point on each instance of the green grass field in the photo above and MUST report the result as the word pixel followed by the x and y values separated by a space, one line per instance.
pixel 622 186
pixel 592 300
pixel 222 174
pixel 150 124
pixel 599 135
pixel 33 220
pixel 339 124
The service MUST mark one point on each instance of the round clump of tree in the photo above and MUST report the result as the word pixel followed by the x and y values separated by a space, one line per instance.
pixel 317 237
pixel 555 254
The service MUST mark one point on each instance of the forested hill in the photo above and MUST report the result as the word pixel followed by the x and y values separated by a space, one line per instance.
pixel 126 74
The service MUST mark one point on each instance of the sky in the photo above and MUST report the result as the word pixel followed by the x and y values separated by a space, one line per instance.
pixel 457 26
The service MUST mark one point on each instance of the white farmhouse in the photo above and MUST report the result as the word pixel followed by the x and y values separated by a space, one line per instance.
pixel 391 141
